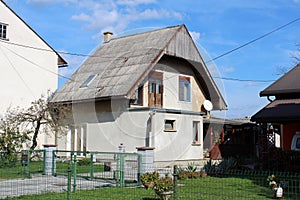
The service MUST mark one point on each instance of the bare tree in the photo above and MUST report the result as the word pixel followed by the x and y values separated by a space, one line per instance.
pixel 30 121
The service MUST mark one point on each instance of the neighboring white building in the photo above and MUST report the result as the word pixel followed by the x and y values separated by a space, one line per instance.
pixel 28 65
pixel 143 90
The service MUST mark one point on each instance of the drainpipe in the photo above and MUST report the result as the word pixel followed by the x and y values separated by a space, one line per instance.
pixel 152 127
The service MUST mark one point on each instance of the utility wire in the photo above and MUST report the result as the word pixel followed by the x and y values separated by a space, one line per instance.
pixel 19 75
pixel 220 56
pixel 33 63
pixel 254 40
pixel 243 80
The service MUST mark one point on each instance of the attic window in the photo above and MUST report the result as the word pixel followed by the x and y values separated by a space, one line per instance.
pixel 3 31
pixel 88 81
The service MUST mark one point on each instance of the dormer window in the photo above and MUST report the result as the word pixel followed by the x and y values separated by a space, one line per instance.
pixel 88 81
pixel 3 31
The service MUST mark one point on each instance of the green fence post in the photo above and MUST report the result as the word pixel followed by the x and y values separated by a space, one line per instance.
pixel 69 183
pixel 53 164
pixel 92 166
pixel 44 162
pixel 74 173
pixel 122 180
pixel 28 164
pixel 175 176
pixel 139 168
pixel 117 171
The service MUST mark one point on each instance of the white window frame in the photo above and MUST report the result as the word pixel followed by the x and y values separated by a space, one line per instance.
pixel 3 31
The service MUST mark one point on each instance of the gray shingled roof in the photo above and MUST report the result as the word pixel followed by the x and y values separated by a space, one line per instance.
pixel 279 110
pixel 122 63
pixel 287 84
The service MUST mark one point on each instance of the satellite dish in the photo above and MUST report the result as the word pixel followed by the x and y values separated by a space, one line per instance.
pixel 207 105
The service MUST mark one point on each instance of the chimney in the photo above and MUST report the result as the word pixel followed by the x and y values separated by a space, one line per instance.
pixel 107 36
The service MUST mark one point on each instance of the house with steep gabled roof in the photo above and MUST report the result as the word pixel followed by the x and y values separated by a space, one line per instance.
pixel 142 90
pixel 28 64
pixel 282 114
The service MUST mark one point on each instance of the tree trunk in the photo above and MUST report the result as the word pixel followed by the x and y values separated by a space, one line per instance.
pixel 36 132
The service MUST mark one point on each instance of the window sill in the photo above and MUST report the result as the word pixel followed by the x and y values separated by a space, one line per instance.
pixel 170 130
pixel 6 39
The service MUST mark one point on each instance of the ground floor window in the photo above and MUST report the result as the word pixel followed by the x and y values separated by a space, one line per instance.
pixel 170 125
pixel 196 132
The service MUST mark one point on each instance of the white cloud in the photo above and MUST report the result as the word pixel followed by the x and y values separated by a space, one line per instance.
pixel 82 17
pixel 195 35
pixel 106 15
pixel 228 69
pixel 134 2
pixel 44 2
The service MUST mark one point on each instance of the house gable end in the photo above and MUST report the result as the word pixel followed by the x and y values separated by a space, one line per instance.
pixel 14 20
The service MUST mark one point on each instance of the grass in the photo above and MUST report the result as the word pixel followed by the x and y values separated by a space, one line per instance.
pixel 36 167
pixel 231 188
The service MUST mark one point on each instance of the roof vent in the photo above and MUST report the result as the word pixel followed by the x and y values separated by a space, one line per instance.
pixel 107 36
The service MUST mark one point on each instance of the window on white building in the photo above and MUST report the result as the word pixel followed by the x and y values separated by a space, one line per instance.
pixel 184 89
pixel 196 132
pixel 170 125
pixel 3 31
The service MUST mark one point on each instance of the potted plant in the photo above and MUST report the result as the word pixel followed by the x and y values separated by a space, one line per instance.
pixel 148 179
pixel 203 172
pixel 191 171
pixel 164 187
pixel 276 186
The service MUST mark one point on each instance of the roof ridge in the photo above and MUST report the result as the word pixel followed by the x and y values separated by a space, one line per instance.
pixel 147 32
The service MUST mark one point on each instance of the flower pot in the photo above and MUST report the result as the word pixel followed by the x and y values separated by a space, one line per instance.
pixel 148 185
pixel 279 192
pixel 165 195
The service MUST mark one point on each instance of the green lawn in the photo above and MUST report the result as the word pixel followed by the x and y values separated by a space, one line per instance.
pixel 203 188
pixel 36 167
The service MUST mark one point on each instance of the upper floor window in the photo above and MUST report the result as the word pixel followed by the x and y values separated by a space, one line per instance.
pixel 155 90
pixel 184 88
pixel 3 31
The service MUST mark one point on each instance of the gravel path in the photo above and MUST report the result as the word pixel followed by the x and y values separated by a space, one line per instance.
pixel 42 184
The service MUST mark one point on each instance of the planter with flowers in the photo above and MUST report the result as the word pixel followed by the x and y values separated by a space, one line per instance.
pixel 276 186
pixel 148 179
pixel 164 187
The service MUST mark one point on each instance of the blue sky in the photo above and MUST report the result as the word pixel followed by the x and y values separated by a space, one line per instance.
pixel 217 26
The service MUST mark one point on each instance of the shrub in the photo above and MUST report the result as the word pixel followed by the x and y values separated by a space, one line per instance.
pixel 84 161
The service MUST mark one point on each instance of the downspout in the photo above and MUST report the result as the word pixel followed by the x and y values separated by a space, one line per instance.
pixel 152 127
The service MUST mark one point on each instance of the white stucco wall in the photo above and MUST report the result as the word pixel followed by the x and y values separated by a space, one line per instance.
pixel 25 73
pixel 106 131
